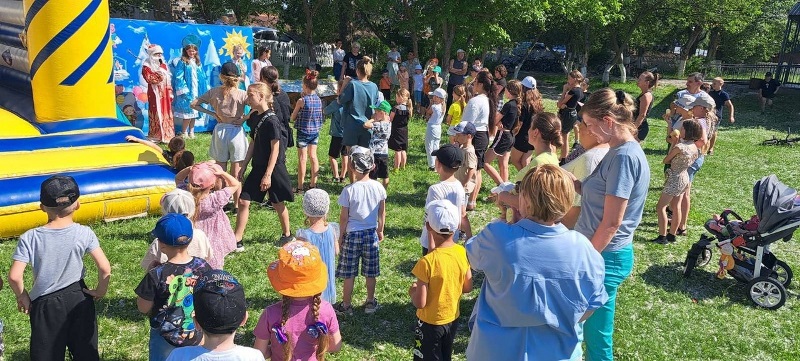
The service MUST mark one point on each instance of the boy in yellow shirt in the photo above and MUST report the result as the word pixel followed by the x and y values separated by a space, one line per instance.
pixel 442 276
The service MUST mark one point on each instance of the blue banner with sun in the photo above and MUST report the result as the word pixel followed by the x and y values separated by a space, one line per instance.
pixel 216 45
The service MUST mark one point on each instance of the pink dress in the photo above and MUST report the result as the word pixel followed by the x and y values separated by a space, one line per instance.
pixel 213 220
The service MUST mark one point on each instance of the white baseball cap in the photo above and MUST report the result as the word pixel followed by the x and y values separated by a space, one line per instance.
pixel 529 82
pixel 439 92
pixel 443 216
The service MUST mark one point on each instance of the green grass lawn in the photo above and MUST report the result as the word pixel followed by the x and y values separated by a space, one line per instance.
pixel 660 315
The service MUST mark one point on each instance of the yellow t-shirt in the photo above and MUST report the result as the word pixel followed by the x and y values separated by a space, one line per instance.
pixel 455 113
pixel 544 158
pixel 444 270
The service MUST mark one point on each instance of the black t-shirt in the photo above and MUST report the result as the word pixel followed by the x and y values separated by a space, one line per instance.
pixel 283 110
pixel 154 286
pixel 510 114
pixel 526 117
pixel 720 98
pixel 350 60
pixel 769 87
pixel 268 128
pixel 577 95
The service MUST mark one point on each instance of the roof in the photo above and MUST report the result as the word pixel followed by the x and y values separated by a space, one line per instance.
pixel 794 14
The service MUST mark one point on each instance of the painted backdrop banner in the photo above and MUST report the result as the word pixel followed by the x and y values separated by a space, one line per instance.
pixel 130 39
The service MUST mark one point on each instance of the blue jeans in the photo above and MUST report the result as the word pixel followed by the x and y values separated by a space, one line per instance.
pixel 598 330
pixel 698 163
pixel 159 347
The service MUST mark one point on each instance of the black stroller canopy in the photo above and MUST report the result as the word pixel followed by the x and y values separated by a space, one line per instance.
pixel 774 204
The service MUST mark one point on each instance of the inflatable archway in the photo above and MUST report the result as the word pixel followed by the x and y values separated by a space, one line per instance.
pixel 58 116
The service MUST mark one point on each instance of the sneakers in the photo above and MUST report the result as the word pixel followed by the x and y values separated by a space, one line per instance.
pixel 286 239
pixel 669 238
pixel 341 309
pixel 371 306
pixel 681 232
pixel 239 247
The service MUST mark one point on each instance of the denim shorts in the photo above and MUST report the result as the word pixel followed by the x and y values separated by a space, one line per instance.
pixel 698 163
pixel 305 139
pixel 357 245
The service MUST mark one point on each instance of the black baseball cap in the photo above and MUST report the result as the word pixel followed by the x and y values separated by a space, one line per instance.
pixel 230 69
pixel 59 191
pixel 219 302
pixel 449 155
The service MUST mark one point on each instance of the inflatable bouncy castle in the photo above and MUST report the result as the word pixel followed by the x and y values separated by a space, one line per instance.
pixel 58 116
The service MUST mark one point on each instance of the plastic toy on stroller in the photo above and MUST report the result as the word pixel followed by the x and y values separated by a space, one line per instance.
pixel 744 244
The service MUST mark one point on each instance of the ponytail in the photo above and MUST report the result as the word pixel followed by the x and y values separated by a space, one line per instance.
pixel 364 66
pixel 287 346
pixel 269 74
pixel 323 340
pixel 310 79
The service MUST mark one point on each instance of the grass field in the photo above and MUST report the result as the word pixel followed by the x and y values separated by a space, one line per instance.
pixel 660 315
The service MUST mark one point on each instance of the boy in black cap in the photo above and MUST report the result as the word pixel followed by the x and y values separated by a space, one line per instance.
pixel 449 158
pixel 219 309
pixel 60 306
pixel 162 291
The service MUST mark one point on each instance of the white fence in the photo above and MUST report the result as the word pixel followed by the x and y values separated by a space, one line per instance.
pixel 296 54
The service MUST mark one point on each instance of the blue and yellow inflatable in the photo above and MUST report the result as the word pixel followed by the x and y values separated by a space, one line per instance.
pixel 58 116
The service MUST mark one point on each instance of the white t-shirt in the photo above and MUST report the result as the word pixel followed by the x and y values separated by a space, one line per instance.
pixel 362 198
pixel 437 116
pixel 451 191
pixel 200 353
pixel 477 112
pixel 584 165
pixel 338 55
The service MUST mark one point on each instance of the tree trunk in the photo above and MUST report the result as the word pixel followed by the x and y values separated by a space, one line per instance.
pixel 586 46
pixel 345 10
pixel 688 49
pixel 309 32
pixel 448 34
pixel 713 44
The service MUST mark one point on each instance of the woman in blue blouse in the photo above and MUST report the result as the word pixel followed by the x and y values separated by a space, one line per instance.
pixel 542 280
pixel 612 201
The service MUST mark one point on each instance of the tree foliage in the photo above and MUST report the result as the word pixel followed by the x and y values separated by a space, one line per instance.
pixel 731 30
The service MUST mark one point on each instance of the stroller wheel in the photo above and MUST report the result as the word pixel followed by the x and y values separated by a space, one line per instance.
pixel 767 293
pixel 783 273
pixel 704 258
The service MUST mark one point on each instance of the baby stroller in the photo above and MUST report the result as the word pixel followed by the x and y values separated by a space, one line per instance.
pixel 744 245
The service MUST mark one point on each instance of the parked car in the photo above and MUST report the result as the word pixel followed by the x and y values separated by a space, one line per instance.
pixel 540 59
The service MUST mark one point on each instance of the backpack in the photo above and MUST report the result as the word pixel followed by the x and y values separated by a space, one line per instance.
pixel 174 321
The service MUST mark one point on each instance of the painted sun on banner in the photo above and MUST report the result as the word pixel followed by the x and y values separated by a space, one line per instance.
pixel 232 40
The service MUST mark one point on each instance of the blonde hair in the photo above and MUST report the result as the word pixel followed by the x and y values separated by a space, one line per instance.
pixel 322 341
pixel 461 91
pixel 265 91
pixel 405 94
pixel 616 104
pixel 549 192
pixel 199 194
pixel 228 83
pixel 364 66
pixel 533 101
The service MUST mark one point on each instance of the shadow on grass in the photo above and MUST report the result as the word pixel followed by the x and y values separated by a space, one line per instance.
pixel 702 284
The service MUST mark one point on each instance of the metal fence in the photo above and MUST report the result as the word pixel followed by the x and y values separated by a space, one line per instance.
pixel 789 74
pixel 296 54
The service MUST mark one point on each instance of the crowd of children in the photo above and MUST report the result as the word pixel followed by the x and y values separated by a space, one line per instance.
pixel 192 239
